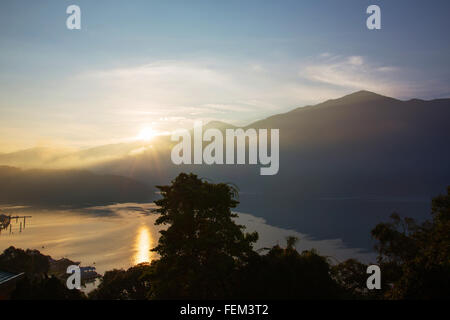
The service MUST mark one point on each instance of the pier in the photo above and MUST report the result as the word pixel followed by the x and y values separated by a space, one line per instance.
pixel 6 221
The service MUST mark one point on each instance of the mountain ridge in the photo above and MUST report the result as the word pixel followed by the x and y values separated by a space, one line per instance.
pixel 362 96
pixel 45 187
pixel 335 157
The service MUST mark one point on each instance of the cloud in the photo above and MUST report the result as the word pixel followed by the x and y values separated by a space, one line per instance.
pixel 101 106
pixel 354 73
pixel 202 89
pixel 351 73
pixel 240 89
pixel 356 60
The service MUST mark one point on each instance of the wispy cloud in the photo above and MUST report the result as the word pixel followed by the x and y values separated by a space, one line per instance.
pixel 235 92
pixel 350 73
pixel 112 104
pixel 169 94
pixel 353 73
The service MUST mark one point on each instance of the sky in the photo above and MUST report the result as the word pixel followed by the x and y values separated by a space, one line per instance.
pixel 136 65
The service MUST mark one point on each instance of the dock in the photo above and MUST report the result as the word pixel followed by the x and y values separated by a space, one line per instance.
pixel 6 221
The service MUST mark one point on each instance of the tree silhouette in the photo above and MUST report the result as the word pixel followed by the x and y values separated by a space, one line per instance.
pixel 291 241
pixel 123 284
pixel 284 273
pixel 351 276
pixel 415 259
pixel 203 247
pixel 37 283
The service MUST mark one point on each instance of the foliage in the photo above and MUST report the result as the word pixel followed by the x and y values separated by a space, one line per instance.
pixel 203 246
pixel 47 288
pixel 32 262
pixel 123 284
pixel 415 258
pixel 288 274
pixel 204 254
pixel 36 284
pixel 351 277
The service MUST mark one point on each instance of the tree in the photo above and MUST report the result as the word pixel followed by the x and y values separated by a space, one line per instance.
pixel 415 259
pixel 351 276
pixel 284 273
pixel 31 262
pixel 123 284
pixel 291 241
pixel 203 247
pixel 38 283
pixel 47 288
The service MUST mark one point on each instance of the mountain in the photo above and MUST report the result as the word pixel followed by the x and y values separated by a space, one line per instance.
pixel 38 156
pixel 63 158
pixel 376 144
pixel 362 117
pixel 218 125
pixel 365 134
pixel 67 187
pixel 345 165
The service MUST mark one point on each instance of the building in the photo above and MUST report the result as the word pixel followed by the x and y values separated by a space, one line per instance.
pixel 8 283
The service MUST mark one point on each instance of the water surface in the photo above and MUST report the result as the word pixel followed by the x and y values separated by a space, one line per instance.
pixel 121 235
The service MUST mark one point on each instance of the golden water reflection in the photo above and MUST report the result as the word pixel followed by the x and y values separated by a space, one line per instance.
pixel 126 236
pixel 143 244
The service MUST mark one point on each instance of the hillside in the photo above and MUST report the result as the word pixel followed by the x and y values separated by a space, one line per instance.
pixel 67 187
pixel 345 164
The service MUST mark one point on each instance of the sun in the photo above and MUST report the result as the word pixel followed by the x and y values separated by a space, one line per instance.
pixel 146 133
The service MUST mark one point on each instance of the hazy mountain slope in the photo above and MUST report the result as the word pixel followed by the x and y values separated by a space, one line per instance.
pixel 363 117
pixel 345 164
pixel 67 187
pixel 365 135
pixel 37 157
pixel 361 144
pixel 64 158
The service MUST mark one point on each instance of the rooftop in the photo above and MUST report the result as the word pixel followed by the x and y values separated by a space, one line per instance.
pixel 7 276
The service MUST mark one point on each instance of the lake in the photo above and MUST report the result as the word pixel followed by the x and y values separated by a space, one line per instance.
pixel 121 235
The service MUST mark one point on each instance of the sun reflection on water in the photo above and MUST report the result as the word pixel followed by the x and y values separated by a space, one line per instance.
pixel 143 244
